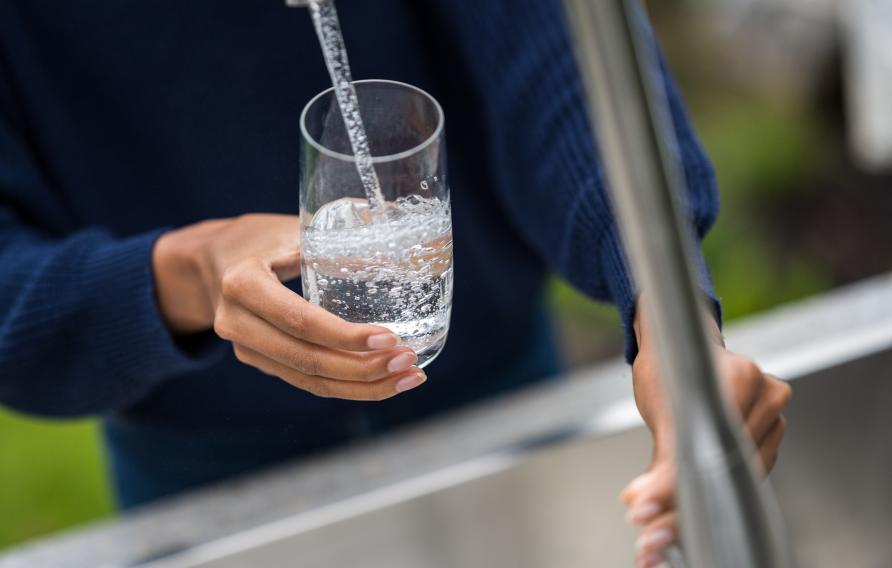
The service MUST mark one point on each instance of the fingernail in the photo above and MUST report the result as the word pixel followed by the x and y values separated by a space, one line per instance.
pixel 382 341
pixel 640 514
pixel 402 362
pixel 410 382
pixel 657 539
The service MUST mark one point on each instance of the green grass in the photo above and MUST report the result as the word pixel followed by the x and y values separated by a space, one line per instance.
pixel 763 157
pixel 52 476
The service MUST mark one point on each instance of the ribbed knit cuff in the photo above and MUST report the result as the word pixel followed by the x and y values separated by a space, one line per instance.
pixel 625 295
pixel 622 289
pixel 123 317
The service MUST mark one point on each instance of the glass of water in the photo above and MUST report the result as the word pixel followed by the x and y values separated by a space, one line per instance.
pixel 387 263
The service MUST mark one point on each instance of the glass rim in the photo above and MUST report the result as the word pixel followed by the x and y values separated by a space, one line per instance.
pixel 375 159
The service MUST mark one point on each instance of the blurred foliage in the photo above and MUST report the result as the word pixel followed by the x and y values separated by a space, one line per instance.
pixel 51 476
pixel 764 158
pixel 768 154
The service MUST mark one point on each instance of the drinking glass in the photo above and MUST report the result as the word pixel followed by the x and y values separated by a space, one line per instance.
pixel 388 264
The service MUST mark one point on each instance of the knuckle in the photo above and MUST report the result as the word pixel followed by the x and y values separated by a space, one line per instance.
pixel 224 327
pixel 297 320
pixel 782 425
pixel 785 394
pixel 307 362
pixel 367 370
pixel 321 389
pixel 229 283
pixel 749 376
pixel 370 393
pixel 750 370
pixel 240 353
pixel 234 281
pixel 383 393
pixel 778 397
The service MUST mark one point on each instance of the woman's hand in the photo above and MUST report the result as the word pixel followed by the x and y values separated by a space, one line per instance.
pixel 760 398
pixel 227 275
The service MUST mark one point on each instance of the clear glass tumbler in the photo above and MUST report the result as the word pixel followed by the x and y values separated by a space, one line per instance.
pixel 391 266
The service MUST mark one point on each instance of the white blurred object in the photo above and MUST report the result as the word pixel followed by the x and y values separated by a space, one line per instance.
pixel 776 46
pixel 782 47
pixel 868 47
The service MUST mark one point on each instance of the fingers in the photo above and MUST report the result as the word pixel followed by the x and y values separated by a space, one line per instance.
pixel 760 397
pixel 253 285
pixel 764 414
pixel 769 447
pixel 760 400
pixel 330 388
pixel 744 382
pixel 652 494
pixel 658 534
pixel 246 330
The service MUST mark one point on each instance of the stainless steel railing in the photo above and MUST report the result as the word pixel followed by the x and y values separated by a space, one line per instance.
pixel 729 518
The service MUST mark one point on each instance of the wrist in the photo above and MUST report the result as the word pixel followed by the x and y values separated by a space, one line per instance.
pixel 180 291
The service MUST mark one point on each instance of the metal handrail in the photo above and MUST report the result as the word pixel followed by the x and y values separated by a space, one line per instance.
pixel 728 516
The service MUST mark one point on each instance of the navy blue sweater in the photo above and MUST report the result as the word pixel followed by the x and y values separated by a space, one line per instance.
pixel 120 120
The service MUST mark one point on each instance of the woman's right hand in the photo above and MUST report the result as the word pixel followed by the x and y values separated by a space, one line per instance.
pixel 227 275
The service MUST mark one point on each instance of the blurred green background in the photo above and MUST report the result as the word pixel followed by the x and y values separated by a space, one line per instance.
pixel 796 218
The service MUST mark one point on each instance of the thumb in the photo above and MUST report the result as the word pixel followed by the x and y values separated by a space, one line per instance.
pixel 651 494
pixel 285 263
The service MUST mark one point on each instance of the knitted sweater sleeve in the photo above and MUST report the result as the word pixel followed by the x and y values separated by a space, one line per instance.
pixel 550 183
pixel 80 331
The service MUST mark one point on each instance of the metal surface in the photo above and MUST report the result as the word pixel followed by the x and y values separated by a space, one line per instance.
pixel 558 507
pixel 729 517
pixel 533 477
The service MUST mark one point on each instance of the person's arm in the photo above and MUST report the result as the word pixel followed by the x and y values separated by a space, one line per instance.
pixel 227 275
pixel 79 328
pixel 543 158
pixel 552 187
pixel 758 397
pixel 92 321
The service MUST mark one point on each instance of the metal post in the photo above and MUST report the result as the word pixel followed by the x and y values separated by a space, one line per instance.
pixel 729 518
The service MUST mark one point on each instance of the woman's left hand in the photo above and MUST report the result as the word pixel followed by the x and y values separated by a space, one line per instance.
pixel 760 398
